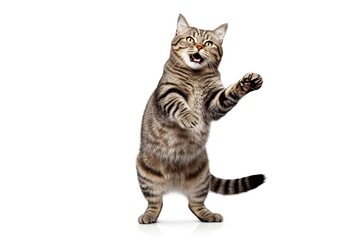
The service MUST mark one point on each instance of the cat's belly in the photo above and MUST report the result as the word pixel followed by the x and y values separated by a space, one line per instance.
pixel 177 144
pixel 167 141
pixel 184 144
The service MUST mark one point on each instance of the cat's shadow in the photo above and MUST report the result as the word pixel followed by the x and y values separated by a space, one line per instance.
pixel 206 228
pixel 193 228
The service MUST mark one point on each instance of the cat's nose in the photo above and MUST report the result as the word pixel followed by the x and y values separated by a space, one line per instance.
pixel 199 47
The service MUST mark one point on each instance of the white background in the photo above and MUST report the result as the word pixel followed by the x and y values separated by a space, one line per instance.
pixel 74 80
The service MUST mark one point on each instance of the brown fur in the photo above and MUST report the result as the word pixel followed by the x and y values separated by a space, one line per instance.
pixel 176 124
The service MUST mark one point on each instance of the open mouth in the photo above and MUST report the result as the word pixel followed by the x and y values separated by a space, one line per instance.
pixel 196 58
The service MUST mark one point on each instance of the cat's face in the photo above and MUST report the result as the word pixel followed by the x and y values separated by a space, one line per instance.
pixel 198 48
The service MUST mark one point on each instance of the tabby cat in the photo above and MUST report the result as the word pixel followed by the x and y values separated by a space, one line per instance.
pixel 176 123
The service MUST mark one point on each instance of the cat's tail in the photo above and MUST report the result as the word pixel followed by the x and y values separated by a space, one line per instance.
pixel 235 186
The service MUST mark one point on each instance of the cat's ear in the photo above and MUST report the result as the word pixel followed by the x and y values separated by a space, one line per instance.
pixel 220 31
pixel 182 25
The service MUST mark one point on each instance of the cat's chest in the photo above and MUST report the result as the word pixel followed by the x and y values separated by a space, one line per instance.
pixel 196 104
pixel 196 99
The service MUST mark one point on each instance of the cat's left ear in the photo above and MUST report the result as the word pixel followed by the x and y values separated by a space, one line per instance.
pixel 220 31
pixel 182 25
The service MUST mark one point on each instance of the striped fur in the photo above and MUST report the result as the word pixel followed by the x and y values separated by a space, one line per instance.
pixel 176 124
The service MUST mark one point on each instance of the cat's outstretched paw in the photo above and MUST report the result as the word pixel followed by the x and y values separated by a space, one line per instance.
pixel 188 120
pixel 250 82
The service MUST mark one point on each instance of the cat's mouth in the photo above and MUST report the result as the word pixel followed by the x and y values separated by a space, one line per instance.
pixel 196 58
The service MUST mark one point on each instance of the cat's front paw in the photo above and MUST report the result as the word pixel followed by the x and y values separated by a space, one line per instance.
pixel 188 119
pixel 250 82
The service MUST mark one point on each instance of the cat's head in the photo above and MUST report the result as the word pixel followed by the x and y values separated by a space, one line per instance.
pixel 198 48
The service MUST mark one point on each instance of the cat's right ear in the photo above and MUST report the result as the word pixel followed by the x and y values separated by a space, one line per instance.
pixel 182 25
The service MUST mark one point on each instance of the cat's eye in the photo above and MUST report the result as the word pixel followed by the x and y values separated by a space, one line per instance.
pixel 190 40
pixel 209 44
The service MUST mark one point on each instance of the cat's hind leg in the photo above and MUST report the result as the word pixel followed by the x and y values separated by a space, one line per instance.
pixel 199 190
pixel 151 181
pixel 152 212
pixel 204 214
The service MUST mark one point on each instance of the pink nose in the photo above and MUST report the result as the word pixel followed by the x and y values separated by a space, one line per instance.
pixel 199 47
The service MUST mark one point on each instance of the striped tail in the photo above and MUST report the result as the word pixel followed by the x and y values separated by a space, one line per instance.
pixel 235 186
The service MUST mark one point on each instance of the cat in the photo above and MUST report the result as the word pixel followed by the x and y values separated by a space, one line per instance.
pixel 176 123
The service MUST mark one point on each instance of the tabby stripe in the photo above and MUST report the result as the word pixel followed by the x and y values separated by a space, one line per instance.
pixel 233 96
pixel 153 204
pixel 211 98
pixel 201 202
pixel 204 184
pixel 236 186
pixel 203 191
pixel 215 184
pixel 218 57
pixel 202 194
pixel 226 186
pixel 243 185
pixel 176 108
pixel 204 188
pixel 173 90
pixel 197 31
pixel 222 99
pixel 182 110
pixel 169 83
pixel 225 101
pixel 154 209
pixel 141 181
pixel 149 194
pixel 142 178
pixel 222 112
pixel 168 103
pixel 188 84
pixel 208 176
pixel 196 173
pixel 175 69
pixel 150 169
pixel 172 104
pixel 219 113
pixel 178 40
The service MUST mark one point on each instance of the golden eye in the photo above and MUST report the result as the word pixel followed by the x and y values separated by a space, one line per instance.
pixel 209 43
pixel 190 40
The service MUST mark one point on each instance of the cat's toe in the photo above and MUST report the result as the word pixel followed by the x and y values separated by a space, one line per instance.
pixel 256 82
pixel 190 120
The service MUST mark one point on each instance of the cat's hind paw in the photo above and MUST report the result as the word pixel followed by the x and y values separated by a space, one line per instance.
pixel 213 217
pixel 147 218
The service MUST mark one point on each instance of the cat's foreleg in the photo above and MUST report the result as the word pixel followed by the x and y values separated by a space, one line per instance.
pixel 174 105
pixel 227 98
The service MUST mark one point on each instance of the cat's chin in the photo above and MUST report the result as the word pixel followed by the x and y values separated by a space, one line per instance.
pixel 194 65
